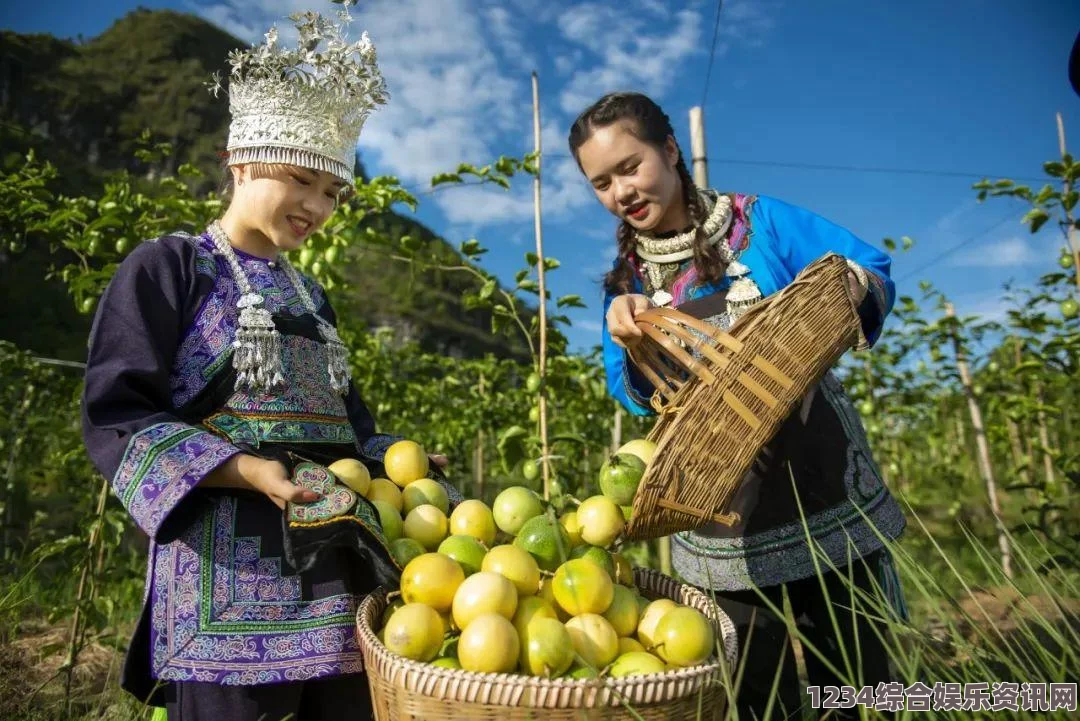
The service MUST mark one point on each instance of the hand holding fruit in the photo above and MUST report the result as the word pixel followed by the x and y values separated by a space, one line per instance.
pixel 620 318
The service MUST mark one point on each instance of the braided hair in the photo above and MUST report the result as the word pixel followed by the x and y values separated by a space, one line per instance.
pixel 651 125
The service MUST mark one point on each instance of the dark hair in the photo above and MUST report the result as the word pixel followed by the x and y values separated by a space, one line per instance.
pixel 648 123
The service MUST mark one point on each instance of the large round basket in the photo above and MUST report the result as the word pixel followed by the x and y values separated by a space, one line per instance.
pixel 722 396
pixel 408 690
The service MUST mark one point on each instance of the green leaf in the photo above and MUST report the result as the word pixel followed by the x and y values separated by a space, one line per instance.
pixel 511 447
pixel 1069 201
pixel 907 242
pixel 472 248
pixel 1036 217
pixel 520 275
pixel 531 258
pixel 551 263
pixel 890 244
pixel 1003 183
pixel 488 288
pixel 570 301
pixel 1054 168
pixel 443 178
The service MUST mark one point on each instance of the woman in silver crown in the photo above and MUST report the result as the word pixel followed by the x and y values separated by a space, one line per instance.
pixel 215 374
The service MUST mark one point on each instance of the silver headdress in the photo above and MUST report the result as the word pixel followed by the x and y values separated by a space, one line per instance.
pixel 306 105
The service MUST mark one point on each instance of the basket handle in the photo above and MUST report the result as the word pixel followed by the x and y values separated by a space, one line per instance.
pixel 664 329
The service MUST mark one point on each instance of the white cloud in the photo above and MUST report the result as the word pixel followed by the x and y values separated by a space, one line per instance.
pixel 592 326
pixel 1008 253
pixel 632 58
pixel 457 71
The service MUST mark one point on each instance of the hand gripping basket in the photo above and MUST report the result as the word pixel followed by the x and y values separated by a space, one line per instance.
pixel 404 690
pixel 722 396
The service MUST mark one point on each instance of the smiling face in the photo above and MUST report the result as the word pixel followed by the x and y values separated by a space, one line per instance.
pixel 276 207
pixel 635 180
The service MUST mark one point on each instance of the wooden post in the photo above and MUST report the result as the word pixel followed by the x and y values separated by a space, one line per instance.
pixel 542 369
pixel 697 147
pixel 982 447
pixel 85 582
pixel 1074 243
pixel 478 453
pixel 1044 438
pixel 616 428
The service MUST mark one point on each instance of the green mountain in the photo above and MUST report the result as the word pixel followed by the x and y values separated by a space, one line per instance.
pixel 83 106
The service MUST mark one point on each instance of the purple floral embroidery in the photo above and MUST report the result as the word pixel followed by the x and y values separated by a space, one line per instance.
pixel 209 339
pixel 161 464
pixel 236 638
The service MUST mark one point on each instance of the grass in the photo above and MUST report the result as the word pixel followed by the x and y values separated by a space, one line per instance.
pixel 970 623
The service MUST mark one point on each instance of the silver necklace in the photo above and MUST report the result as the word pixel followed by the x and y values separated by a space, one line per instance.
pixel 257 347
pixel 661 256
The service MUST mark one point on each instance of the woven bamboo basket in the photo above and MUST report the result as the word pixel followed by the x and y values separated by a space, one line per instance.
pixel 723 396
pixel 404 690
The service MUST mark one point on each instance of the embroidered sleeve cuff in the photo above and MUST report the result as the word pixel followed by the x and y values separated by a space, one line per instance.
pixel 872 308
pixel 375 446
pixel 161 465
pixel 638 390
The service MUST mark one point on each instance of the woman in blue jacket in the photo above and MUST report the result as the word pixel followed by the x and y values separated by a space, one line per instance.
pixel 714 255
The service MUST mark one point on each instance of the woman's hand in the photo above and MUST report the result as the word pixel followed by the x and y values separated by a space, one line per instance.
pixel 272 478
pixel 262 475
pixel 439 460
pixel 620 318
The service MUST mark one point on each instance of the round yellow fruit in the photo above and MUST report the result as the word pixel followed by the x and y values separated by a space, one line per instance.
pixel 546 648
pixel 580 586
pixel 432 579
pixel 594 639
pixel 352 473
pixel 515 564
pixel 414 631
pixel 627 645
pixel 650 617
pixel 424 491
pixel 405 462
pixel 640 447
pixel 624 572
pixel 482 593
pixel 466 550
pixel 473 518
pixel 488 645
pixel 403 550
pixel 382 489
pixel 622 614
pixel 389 519
pixel 547 592
pixel 514 506
pixel 684 637
pixel 528 609
pixel 389 610
pixel 601 521
pixel 636 663
pixel 426 524
pixel 569 521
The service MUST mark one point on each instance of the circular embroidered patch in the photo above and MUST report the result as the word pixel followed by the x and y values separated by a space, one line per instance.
pixel 336 499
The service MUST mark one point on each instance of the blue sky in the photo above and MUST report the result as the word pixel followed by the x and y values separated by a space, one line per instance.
pixel 968 86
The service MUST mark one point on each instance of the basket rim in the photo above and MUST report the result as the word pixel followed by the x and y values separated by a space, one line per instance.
pixel 625 685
